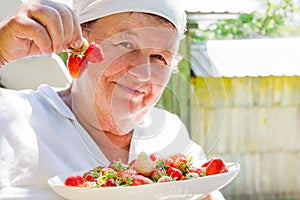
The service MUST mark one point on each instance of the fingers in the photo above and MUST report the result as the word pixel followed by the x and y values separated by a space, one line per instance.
pixel 31 30
pixel 52 27
pixel 76 35
pixel 39 27
pixel 48 25
pixel 72 34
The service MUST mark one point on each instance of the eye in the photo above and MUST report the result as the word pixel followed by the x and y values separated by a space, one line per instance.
pixel 126 45
pixel 158 57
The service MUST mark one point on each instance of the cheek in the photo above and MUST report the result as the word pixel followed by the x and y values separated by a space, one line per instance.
pixel 102 102
pixel 112 68
pixel 160 75
pixel 115 59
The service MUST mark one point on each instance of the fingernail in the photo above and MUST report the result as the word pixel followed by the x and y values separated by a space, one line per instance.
pixel 78 44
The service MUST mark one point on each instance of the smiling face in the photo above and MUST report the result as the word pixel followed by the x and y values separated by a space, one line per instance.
pixel 139 52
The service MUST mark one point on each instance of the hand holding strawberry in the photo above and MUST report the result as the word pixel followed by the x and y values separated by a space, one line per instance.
pixel 36 28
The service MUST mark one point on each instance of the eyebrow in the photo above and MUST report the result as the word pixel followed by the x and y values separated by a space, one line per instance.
pixel 128 31
pixel 124 30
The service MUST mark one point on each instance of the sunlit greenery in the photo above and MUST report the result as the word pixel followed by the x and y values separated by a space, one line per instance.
pixel 277 18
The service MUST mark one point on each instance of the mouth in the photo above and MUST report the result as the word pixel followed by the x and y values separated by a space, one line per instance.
pixel 132 90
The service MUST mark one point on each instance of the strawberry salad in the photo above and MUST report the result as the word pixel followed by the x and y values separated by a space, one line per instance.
pixel 146 169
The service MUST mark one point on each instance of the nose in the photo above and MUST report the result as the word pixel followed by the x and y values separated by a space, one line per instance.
pixel 141 72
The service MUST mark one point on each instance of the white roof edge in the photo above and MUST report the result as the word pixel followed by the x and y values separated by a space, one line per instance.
pixel 221 6
pixel 249 57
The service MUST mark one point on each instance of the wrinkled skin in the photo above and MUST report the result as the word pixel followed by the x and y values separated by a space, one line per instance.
pixel 110 98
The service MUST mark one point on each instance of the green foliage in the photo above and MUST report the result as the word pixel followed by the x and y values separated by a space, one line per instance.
pixel 277 19
pixel 64 57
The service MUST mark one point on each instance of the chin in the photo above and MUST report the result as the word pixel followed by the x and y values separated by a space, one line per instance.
pixel 126 126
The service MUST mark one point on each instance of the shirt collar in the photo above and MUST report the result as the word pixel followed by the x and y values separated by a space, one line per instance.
pixel 50 96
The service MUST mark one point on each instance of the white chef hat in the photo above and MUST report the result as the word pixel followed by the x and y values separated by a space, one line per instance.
pixel 88 10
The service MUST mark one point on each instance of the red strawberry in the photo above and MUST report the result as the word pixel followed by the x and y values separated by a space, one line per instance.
pixel 181 160
pixel 207 163
pixel 157 174
pixel 195 169
pixel 76 65
pixel 182 163
pixel 78 60
pixel 124 175
pixel 169 162
pixel 74 181
pixel 153 157
pixel 109 183
pixel 216 166
pixel 164 179
pixel 175 156
pixel 94 53
pixel 89 178
pixel 140 180
pixel 132 163
pixel 175 173
pixel 108 171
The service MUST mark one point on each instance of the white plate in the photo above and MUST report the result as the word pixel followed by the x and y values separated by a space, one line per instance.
pixel 186 189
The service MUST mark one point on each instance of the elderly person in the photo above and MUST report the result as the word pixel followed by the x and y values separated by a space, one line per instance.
pixel 108 112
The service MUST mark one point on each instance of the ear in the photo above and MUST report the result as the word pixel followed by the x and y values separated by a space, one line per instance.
pixel 85 30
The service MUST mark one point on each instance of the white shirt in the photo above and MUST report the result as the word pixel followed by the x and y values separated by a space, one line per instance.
pixel 40 138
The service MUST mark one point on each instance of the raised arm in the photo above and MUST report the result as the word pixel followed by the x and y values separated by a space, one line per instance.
pixel 38 28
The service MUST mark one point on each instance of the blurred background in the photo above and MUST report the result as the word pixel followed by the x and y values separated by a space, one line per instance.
pixel 237 90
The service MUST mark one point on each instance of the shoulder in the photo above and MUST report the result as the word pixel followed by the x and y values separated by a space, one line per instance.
pixel 13 102
pixel 14 98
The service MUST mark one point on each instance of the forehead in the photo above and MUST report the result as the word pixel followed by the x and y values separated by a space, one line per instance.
pixel 148 29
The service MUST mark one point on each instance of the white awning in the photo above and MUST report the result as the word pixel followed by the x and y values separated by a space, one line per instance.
pixel 221 6
pixel 249 57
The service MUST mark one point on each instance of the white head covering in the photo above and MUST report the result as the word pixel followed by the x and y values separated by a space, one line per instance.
pixel 88 10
